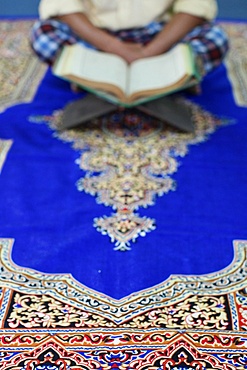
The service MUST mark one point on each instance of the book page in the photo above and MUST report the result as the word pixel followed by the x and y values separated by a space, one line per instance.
pixel 160 71
pixel 96 66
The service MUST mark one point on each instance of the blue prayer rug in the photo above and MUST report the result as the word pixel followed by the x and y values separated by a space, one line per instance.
pixel 123 241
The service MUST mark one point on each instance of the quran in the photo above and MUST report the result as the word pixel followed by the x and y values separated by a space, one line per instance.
pixel 109 76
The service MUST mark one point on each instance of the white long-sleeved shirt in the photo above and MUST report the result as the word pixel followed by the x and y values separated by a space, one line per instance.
pixel 123 14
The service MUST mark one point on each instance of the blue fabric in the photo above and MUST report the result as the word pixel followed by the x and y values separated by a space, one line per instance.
pixel 52 222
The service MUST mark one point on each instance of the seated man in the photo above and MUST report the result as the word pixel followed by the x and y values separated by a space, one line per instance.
pixel 132 29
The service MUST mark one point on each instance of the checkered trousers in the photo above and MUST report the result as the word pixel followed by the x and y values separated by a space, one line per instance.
pixel 208 41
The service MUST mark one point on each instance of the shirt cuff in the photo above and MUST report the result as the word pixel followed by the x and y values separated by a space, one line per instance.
pixel 200 8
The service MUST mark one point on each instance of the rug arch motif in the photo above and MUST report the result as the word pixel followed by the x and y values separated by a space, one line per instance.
pixel 204 328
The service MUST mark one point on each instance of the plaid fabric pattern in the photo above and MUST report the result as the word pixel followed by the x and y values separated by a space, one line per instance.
pixel 208 41
pixel 48 38
pixel 210 44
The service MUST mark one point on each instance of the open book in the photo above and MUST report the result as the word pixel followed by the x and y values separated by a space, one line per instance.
pixel 109 76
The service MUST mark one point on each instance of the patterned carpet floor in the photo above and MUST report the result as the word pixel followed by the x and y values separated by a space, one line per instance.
pixel 123 241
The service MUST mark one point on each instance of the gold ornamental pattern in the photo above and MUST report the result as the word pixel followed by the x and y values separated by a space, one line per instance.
pixel 129 159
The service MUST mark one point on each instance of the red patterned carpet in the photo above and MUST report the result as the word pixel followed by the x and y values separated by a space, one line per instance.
pixel 52 322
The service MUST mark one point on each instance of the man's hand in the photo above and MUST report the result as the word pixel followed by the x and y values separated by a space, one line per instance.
pixel 129 51
pixel 101 39
pixel 172 33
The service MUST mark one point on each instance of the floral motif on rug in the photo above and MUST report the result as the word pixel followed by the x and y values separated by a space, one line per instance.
pixel 129 159
pixel 21 72
pixel 5 146
pixel 187 322
pixel 236 61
